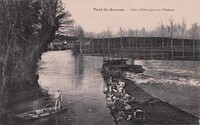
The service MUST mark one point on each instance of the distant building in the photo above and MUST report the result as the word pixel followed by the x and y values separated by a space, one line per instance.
pixel 61 44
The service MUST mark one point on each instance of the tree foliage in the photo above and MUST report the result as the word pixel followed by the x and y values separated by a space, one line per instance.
pixel 26 27
pixel 172 29
pixel 78 32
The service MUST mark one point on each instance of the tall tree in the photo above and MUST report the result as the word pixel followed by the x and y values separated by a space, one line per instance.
pixel 63 21
pixel 26 27
pixel 171 30
pixel 194 35
pixel 183 29
pixel 194 31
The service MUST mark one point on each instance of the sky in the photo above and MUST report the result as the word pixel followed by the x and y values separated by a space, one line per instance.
pixel 137 14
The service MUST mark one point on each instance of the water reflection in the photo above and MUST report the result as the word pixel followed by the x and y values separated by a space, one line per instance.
pixel 79 79
pixel 79 67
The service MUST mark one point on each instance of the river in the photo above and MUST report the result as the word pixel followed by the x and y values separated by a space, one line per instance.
pixel 79 77
pixel 176 82
pixel 80 81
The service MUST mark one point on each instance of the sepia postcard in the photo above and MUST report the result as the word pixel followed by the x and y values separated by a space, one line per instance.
pixel 99 62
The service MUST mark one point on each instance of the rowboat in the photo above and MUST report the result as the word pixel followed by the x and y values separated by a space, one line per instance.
pixel 39 113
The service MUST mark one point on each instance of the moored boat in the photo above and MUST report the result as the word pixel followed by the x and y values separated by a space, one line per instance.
pixel 122 65
pixel 39 113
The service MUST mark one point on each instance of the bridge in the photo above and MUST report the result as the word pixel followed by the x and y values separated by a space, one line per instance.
pixel 157 48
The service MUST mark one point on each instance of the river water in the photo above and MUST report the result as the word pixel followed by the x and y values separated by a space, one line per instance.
pixel 176 82
pixel 80 81
pixel 79 78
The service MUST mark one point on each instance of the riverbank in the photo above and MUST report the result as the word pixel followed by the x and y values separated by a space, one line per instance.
pixel 29 98
pixel 156 111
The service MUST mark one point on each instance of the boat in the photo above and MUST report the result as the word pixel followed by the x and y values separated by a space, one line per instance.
pixel 135 68
pixel 39 113
pixel 122 65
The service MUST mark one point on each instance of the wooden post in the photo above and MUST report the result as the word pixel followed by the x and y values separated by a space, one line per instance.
pixel 193 43
pixel 93 47
pixel 100 45
pixel 198 50
pixel 162 47
pixel 108 47
pixel 151 46
pixel 121 47
pixel 81 45
pixel 171 35
pixel 144 48
pixel 172 49
pixel 183 49
pixel 136 43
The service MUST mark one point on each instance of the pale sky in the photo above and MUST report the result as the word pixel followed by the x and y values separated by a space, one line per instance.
pixel 96 21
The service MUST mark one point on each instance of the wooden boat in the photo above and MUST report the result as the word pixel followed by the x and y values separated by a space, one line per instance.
pixel 39 113
pixel 122 65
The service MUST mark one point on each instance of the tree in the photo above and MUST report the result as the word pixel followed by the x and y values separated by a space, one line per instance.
pixel 194 35
pixel 105 34
pixel 194 31
pixel 63 21
pixel 90 35
pixel 79 32
pixel 26 27
pixel 183 29
pixel 122 32
pixel 131 32
pixel 171 29
pixel 143 32
pixel 25 30
pixel 160 31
